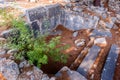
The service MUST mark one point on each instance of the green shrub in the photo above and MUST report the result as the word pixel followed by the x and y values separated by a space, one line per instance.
pixel 36 50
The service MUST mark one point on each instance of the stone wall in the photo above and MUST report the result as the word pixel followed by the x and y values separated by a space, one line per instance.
pixel 48 17
pixel 44 18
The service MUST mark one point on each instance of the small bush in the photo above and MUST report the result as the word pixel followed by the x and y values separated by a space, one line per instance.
pixel 36 50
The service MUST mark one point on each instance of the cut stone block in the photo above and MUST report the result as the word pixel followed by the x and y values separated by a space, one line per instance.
pixel 100 42
pixel 68 74
pixel 109 68
pixel 103 33
pixel 35 28
pixel 36 13
pixel 88 60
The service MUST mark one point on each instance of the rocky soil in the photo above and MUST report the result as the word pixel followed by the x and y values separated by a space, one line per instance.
pixel 106 20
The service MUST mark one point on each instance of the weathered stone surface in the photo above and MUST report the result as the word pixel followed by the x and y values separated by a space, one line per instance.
pixel 35 28
pixel 53 10
pixel 53 78
pixel 32 74
pixel 58 32
pixel 103 33
pixel 118 16
pixel 9 69
pixel 36 13
pixel 109 68
pixel 66 73
pixel 88 60
pixel 114 5
pixel 2 40
pixel 77 9
pixel 67 1
pixel 45 77
pixel 2 51
pixel 75 34
pixel 24 63
pixel 100 42
pixel 10 33
pixel 76 22
pixel 12 51
pixel 79 42
pixel 41 13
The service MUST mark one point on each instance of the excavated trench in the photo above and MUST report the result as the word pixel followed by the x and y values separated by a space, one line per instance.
pixel 91 53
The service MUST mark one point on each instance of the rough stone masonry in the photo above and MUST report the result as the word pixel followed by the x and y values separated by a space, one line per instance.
pixel 48 17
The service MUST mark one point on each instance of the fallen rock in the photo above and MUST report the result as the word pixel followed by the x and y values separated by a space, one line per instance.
pixel 24 63
pixel 101 33
pixel 33 73
pixel 9 69
pixel 66 74
pixel 10 33
pixel 79 42
pixel 12 51
pixel 2 40
pixel 45 77
pixel 53 78
pixel 75 34
pixel 2 51
pixel 100 42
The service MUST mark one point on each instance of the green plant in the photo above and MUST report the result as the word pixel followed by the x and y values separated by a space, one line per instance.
pixel 36 50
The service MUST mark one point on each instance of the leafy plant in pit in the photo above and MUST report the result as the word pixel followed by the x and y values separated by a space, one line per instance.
pixel 36 50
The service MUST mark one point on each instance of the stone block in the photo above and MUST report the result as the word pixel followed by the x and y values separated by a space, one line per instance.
pixel 110 64
pixel 100 42
pixel 53 10
pixel 10 33
pixel 89 60
pixel 101 33
pixel 75 34
pixel 35 28
pixel 65 73
pixel 36 13
pixel 9 69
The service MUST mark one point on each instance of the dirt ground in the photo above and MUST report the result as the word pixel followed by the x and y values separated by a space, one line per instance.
pixel 73 51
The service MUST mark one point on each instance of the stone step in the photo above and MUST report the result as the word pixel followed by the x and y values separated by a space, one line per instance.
pixel 109 68
pixel 81 56
pixel 99 33
pixel 66 74
pixel 88 60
